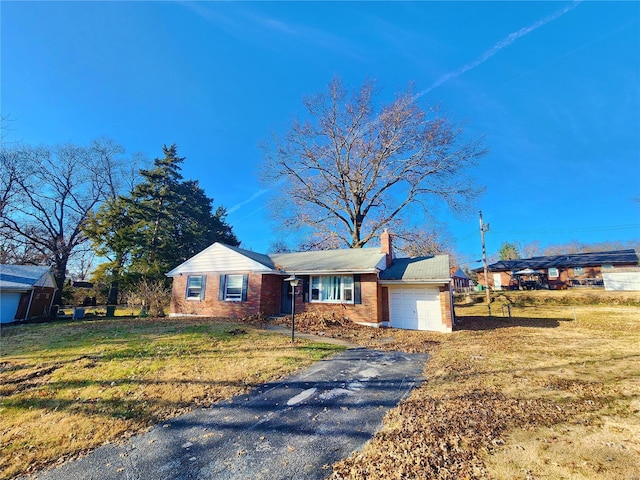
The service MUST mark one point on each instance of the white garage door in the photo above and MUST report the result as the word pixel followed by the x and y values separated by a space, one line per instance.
pixel 415 308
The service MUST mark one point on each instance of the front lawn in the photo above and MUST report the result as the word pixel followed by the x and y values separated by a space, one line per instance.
pixel 553 392
pixel 68 387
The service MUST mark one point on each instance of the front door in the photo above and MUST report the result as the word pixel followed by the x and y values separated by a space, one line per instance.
pixel 285 298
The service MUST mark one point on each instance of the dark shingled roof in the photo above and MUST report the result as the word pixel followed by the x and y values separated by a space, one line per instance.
pixel 258 257
pixel 614 257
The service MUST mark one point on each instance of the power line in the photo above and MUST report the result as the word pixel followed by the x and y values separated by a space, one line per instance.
pixel 601 228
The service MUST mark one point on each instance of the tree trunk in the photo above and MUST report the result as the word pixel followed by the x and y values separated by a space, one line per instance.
pixel 112 297
pixel 60 275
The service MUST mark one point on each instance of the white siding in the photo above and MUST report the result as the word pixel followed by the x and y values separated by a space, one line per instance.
pixel 219 258
pixel 629 281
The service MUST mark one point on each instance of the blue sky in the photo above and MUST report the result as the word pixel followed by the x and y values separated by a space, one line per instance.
pixel 554 87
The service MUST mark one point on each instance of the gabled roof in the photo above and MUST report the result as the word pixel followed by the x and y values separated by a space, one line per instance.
pixel 613 257
pixel 354 260
pixel 432 269
pixel 22 278
pixel 224 258
pixel 458 273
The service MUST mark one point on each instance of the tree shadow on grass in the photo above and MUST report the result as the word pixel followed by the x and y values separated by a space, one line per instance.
pixel 494 323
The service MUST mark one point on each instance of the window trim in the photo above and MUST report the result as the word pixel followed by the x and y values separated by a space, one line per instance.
pixel 551 275
pixel 200 296
pixel 578 271
pixel 347 281
pixel 237 297
pixel 223 293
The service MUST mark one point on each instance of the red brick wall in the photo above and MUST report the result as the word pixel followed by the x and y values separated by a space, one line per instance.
pixel 263 297
pixel 270 294
pixel 366 312
pixel 505 278
pixel 445 307
pixel 384 305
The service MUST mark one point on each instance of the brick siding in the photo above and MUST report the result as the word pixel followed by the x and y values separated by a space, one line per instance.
pixel 263 297
pixel 445 307
pixel 365 312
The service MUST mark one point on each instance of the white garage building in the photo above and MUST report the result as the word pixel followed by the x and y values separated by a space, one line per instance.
pixel 419 294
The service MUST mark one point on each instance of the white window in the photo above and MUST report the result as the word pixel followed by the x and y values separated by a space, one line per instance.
pixel 332 288
pixel 195 287
pixel 607 266
pixel 553 272
pixel 578 271
pixel 233 288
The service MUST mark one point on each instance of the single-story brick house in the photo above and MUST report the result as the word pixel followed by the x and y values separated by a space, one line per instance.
pixel 559 271
pixel 366 285
pixel 26 292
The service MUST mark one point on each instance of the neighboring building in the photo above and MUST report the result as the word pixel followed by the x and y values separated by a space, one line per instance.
pixel 25 292
pixel 460 282
pixel 558 271
pixel 365 285
pixel 622 279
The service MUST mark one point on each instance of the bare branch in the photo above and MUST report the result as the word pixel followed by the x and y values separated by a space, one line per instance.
pixel 354 168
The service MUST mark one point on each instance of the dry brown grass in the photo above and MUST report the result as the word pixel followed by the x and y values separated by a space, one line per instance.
pixel 68 387
pixel 552 393
pixel 540 395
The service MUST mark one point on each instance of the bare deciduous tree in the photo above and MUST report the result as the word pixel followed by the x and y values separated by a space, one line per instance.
pixel 351 169
pixel 422 242
pixel 581 247
pixel 48 193
pixel 529 249
pixel 154 295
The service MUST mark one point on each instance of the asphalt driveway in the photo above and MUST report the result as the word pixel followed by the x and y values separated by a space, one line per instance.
pixel 292 429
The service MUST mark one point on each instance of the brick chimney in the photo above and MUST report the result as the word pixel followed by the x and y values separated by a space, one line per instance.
pixel 385 247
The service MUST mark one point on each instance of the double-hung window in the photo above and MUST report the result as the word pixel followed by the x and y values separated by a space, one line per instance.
pixel 233 287
pixel 553 272
pixel 332 288
pixel 195 287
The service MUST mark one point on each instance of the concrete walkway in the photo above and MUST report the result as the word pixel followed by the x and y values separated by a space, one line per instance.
pixel 291 429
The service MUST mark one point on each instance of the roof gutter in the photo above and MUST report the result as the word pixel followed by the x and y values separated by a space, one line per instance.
pixel 329 272
pixel 431 281
pixel 14 289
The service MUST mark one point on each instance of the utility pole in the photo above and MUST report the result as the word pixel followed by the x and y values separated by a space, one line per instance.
pixel 484 227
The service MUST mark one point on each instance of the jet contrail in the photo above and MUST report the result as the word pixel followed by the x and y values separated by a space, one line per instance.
pixel 505 42
pixel 238 206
